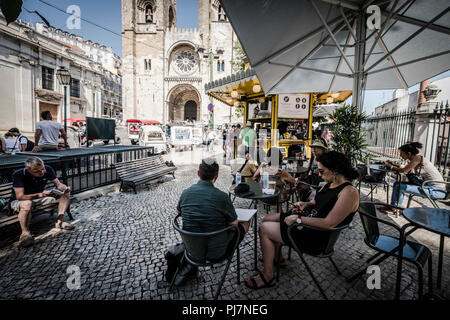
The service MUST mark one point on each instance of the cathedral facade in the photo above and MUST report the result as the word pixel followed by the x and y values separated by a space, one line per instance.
pixel 166 68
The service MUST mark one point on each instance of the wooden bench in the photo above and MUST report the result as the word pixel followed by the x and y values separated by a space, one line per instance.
pixel 6 191
pixel 141 171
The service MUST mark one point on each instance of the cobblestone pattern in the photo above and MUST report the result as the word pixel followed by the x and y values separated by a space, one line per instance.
pixel 121 238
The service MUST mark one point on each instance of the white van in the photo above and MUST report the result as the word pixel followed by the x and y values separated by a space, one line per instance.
pixel 153 136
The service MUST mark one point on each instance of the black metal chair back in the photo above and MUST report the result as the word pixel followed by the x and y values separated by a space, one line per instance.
pixel 390 246
pixel 326 253
pixel 333 237
pixel 196 243
pixel 370 225
pixel 196 251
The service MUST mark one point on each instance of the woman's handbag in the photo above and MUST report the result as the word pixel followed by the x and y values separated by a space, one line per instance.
pixel 415 179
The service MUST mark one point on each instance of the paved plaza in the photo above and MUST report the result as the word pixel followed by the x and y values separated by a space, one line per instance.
pixel 120 240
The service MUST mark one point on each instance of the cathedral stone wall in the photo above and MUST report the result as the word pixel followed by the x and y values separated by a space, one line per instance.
pixel 165 66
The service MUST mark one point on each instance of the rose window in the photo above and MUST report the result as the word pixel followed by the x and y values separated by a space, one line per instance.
pixel 185 62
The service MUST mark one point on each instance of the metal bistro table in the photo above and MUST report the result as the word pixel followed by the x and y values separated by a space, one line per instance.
pixel 297 171
pixel 257 194
pixel 432 219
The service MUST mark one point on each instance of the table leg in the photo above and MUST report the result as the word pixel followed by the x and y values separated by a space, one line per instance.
pixel 255 230
pixel 441 253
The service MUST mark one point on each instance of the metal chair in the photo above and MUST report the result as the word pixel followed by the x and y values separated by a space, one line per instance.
pixel 389 246
pixel 196 250
pixel 445 201
pixel 362 171
pixel 327 253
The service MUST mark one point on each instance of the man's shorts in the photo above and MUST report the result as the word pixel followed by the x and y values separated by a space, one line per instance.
pixel 44 147
pixel 40 203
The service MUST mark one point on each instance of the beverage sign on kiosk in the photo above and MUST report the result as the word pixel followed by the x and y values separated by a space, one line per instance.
pixel 293 106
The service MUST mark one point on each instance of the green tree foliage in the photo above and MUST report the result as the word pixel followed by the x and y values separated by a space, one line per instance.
pixel 11 9
pixel 239 57
pixel 348 137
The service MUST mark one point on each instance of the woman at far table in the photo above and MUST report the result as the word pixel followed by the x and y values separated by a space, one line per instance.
pixel 275 157
pixel 421 167
pixel 334 205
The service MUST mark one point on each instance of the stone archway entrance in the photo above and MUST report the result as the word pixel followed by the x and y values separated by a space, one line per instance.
pixel 190 110
pixel 184 103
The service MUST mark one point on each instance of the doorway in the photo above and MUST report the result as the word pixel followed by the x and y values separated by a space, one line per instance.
pixel 53 108
pixel 190 110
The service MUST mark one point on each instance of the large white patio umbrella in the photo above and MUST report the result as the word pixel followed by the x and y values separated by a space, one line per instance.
pixel 326 45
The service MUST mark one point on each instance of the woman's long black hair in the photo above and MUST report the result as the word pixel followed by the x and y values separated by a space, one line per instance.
pixel 338 163
pixel 411 147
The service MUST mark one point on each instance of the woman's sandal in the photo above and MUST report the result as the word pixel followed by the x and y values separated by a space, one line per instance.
pixel 267 284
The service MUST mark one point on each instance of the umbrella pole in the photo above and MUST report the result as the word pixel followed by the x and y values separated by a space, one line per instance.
pixel 358 78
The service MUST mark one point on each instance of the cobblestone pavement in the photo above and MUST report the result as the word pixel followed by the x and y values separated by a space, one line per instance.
pixel 119 245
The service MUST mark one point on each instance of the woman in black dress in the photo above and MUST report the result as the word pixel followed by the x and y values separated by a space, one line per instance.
pixel 334 205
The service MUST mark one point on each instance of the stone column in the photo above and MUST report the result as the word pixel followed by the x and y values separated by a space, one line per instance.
pixel 425 121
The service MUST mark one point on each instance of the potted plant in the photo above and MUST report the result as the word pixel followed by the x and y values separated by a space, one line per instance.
pixel 348 137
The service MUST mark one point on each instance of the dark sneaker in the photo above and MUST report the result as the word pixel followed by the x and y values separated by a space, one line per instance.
pixel 26 241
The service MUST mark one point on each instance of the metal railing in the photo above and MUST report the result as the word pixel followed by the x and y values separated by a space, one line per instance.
pixel 82 172
pixel 385 133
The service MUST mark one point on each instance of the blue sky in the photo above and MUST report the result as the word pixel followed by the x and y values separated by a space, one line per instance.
pixel 107 13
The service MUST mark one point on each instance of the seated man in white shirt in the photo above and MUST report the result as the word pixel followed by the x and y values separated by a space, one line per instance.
pixel 47 134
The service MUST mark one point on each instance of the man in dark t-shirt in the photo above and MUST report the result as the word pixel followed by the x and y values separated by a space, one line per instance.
pixel 29 193
pixel 204 208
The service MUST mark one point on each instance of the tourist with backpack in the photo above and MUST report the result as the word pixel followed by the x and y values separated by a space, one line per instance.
pixel 11 144
pixel 23 143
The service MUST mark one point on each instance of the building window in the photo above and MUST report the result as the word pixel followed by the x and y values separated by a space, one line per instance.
pixel 148 13
pixel 218 66
pixel 223 66
pixel 148 64
pixel 47 78
pixel 171 18
pixel 222 15
pixel 74 88
pixel 185 61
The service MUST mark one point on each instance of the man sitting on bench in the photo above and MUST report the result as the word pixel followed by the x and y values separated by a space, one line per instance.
pixel 29 193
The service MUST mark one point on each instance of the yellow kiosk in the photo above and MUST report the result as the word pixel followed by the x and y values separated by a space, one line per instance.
pixel 283 120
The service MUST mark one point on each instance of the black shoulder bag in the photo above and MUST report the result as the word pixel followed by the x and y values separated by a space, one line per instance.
pixel 413 178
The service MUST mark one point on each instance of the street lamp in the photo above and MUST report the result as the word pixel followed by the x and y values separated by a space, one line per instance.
pixel 63 76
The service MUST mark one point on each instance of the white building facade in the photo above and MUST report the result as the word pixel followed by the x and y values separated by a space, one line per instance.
pixel 29 61
pixel 111 101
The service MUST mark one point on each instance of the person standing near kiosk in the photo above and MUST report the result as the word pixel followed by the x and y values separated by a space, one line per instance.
pixel 248 136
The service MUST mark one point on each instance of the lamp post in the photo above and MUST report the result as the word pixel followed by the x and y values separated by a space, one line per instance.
pixel 64 79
